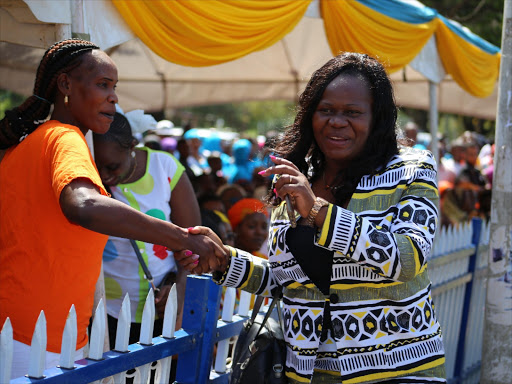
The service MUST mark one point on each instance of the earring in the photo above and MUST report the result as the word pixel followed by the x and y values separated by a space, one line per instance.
pixel 66 100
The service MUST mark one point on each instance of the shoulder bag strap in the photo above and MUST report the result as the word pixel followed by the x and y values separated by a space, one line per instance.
pixel 147 273
pixel 257 305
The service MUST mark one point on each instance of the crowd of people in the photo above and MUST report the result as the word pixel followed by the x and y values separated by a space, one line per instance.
pixel 350 253
pixel 465 174
pixel 465 169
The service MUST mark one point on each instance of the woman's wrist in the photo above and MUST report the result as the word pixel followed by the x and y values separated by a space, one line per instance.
pixel 320 218
pixel 223 265
pixel 180 238
pixel 318 205
pixel 219 275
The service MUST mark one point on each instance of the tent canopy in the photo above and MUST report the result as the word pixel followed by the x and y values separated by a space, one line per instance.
pixel 278 71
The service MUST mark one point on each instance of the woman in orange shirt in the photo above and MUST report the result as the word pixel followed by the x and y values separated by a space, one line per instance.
pixel 55 214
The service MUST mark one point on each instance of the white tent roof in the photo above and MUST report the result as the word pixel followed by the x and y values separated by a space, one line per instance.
pixel 151 83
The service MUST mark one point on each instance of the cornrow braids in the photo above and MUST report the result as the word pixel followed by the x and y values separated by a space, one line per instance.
pixel 61 57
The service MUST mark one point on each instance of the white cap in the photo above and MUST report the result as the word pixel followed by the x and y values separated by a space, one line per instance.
pixel 162 124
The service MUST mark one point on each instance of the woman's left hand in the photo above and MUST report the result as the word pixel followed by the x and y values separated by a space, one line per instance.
pixel 293 183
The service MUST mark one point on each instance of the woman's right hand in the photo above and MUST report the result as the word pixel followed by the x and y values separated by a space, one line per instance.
pixel 198 260
pixel 293 183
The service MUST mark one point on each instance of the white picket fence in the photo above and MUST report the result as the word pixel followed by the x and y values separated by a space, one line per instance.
pixel 451 274
pixel 448 270
pixel 94 351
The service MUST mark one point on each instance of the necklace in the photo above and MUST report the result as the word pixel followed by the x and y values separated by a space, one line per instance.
pixel 333 188
pixel 133 169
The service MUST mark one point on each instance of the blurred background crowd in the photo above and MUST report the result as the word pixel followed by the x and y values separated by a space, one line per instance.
pixel 223 166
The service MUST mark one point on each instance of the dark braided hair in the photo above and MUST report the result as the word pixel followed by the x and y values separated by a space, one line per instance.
pixel 298 144
pixel 62 57
pixel 120 132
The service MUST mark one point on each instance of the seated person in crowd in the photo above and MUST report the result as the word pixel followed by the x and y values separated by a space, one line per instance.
pixel 249 219
pixel 230 194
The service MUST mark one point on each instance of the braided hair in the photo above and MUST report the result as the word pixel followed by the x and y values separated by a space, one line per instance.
pixel 298 144
pixel 61 57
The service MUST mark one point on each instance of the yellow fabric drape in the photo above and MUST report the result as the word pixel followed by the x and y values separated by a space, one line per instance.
pixel 353 27
pixel 201 33
pixel 474 70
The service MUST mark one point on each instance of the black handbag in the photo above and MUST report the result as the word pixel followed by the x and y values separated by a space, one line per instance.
pixel 260 352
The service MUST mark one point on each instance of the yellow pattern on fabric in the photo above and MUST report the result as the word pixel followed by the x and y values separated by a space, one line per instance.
pixel 377 192
pixel 405 292
pixel 297 378
pixel 325 228
pixel 200 33
pixel 385 375
pixel 246 282
pixel 418 265
pixel 361 285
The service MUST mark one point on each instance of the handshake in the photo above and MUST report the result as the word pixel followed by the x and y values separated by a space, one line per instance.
pixel 207 253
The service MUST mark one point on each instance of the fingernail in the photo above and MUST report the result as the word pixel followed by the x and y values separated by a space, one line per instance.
pixel 195 257
pixel 261 172
pixel 196 262
pixel 189 228
pixel 188 253
pixel 273 157
pixel 275 191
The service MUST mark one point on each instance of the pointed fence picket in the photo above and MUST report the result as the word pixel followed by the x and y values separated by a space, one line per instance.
pixel 38 349
pixel 69 337
pixel 6 350
pixel 457 270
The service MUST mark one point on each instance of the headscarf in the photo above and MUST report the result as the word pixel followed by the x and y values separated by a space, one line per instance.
pixel 243 167
pixel 245 207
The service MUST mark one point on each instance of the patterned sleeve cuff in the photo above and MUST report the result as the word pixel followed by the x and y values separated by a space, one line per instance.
pixel 340 230
pixel 218 276
pixel 237 270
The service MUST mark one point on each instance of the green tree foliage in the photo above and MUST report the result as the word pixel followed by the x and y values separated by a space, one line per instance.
pixel 9 100
pixel 253 117
pixel 482 17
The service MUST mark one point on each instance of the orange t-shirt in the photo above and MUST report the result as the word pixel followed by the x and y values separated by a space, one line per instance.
pixel 46 262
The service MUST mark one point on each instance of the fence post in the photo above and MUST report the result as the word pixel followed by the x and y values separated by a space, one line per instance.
pixel 194 320
pixel 459 358
pixel 210 331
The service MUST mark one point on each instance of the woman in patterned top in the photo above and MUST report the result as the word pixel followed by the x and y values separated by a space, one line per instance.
pixel 357 296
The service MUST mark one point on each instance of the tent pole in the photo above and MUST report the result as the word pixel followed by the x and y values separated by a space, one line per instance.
pixel 497 348
pixel 433 119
